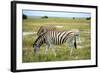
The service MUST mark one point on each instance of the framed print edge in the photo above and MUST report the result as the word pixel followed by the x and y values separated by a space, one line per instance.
pixel 13 36
pixel 14 31
pixel 96 7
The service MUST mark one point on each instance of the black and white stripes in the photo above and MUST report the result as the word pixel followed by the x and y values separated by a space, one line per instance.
pixel 58 37
pixel 55 37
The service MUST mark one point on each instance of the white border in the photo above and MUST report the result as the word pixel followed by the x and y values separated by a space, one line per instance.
pixel 21 65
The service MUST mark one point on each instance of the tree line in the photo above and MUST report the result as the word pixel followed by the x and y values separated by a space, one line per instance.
pixel 45 17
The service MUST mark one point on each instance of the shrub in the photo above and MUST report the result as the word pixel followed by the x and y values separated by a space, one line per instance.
pixel 44 17
pixel 24 16
pixel 88 18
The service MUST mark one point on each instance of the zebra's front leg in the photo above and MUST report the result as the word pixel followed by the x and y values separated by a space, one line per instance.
pixel 53 50
pixel 46 50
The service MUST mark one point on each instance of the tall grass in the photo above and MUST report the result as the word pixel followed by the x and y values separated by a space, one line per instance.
pixel 33 24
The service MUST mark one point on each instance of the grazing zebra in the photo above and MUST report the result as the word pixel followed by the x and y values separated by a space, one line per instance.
pixel 44 29
pixel 51 38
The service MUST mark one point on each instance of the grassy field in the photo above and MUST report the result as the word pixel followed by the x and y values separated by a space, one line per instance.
pixel 32 25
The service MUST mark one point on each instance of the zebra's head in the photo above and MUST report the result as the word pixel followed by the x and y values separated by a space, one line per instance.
pixel 36 48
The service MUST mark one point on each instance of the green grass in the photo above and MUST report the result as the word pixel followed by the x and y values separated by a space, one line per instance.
pixel 33 24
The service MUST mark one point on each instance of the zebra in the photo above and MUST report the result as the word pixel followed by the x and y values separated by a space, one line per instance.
pixel 44 29
pixel 55 37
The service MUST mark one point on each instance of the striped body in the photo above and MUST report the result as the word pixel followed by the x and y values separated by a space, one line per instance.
pixel 57 38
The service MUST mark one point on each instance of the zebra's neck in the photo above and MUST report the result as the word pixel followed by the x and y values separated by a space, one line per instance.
pixel 40 40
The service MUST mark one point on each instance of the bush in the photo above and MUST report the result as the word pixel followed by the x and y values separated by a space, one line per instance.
pixel 88 18
pixel 44 17
pixel 24 16
pixel 73 17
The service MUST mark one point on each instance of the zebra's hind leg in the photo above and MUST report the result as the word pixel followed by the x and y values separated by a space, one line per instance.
pixel 71 46
pixel 71 51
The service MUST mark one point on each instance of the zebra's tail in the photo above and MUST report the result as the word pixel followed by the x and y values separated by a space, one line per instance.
pixel 75 43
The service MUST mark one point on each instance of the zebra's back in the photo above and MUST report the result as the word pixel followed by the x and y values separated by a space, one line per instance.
pixel 44 29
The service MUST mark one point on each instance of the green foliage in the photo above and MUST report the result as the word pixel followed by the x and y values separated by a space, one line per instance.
pixel 24 16
pixel 44 17
pixel 73 17
pixel 88 18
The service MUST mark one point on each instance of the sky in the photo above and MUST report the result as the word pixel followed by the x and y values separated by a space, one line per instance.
pixel 56 14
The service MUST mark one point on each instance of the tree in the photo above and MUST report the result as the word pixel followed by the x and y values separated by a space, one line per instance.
pixel 73 17
pixel 24 16
pixel 88 18
pixel 44 17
